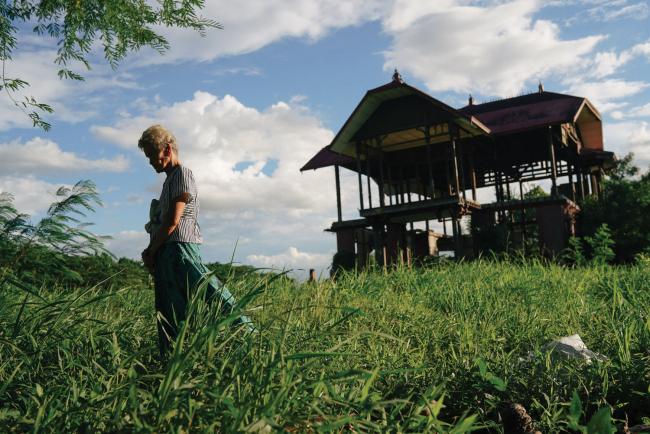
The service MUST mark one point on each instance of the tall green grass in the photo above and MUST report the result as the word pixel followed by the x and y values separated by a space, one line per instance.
pixel 398 351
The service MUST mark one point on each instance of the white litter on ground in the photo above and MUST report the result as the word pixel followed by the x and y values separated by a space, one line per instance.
pixel 571 347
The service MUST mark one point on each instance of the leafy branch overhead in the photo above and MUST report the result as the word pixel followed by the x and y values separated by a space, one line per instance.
pixel 119 26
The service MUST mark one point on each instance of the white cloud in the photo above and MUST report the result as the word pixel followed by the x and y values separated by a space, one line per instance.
pixel 604 10
pixel 494 49
pixel 128 244
pixel 624 137
pixel 606 94
pixel 271 208
pixel 39 156
pixel 293 259
pixel 607 63
pixel 31 195
pixel 73 101
pixel 215 134
pixel 641 111
pixel 254 24
pixel 615 10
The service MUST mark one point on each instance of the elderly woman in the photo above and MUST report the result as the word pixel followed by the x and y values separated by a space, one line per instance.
pixel 173 256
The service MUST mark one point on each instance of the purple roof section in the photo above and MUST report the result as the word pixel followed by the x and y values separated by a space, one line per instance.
pixel 325 157
pixel 526 112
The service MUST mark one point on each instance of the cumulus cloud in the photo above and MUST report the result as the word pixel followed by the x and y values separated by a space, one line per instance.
pixel 607 94
pixel 216 135
pixel 494 49
pixel 73 101
pixel 293 259
pixel 246 162
pixel 41 156
pixel 630 136
pixel 254 24
pixel 641 111
pixel 127 244
pixel 606 63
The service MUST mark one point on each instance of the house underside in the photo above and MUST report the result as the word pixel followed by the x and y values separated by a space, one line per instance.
pixel 418 161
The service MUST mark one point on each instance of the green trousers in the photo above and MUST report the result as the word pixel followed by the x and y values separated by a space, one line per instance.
pixel 178 271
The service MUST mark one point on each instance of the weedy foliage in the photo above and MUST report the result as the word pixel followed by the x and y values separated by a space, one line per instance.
pixel 439 349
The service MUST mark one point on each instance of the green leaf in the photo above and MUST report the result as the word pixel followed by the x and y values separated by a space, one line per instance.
pixel 575 411
pixel 601 422
pixel 497 382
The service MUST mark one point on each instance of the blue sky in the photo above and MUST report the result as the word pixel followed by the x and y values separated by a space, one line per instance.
pixel 251 103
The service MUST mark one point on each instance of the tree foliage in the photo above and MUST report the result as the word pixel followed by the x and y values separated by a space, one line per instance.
pixel 624 208
pixel 42 252
pixel 119 26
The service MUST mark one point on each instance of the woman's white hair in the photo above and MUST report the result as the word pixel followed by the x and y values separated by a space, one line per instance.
pixel 156 137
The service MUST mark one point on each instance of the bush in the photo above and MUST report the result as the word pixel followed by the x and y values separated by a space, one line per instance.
pixel 624 208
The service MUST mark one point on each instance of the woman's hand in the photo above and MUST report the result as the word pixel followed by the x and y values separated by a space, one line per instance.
pixel 148 260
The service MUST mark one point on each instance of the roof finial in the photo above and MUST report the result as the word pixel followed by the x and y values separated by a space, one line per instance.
pixel 397 77
pixel 471 99
pixel 540 87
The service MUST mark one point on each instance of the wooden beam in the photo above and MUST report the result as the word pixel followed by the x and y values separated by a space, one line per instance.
pixel 368 177
pixel 454 156
pixel 472 174
pixel 461 166
pixel 551 150
pixel 427 138
pixel 358 156
pixel 523 218
pixel 338 192
pixel 455 229
pixel 390 184
pixel 572 187
pixel 581 183
pixel 381 173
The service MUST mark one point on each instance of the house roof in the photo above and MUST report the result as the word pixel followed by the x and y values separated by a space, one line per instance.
pixel 400 129
pixel 399 113
pixel 385 111
pixel 530 111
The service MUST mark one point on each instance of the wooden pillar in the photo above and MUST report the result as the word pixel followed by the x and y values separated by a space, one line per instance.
pixel 551 150
pixel 358 155
pixel 427 138
pixel 380 249
pixel 452 134
pixel 381 174
pixel 461 166
pixel 523 217
pixel 338 192
pixel 368 177
pixel 472 169
pixel 581 184
pixel 599 182
pixel 572 187
pixel 408 189
pixel 457 240
pixel 390 184
pixel 593 183
pixel 402 184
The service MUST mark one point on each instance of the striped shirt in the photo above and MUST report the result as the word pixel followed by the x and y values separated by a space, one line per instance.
pixel 180 181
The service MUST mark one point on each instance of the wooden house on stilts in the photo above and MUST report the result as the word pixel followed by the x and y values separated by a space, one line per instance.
pixel 418 160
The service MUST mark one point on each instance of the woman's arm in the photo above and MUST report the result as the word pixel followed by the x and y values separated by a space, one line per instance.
pixel 167 227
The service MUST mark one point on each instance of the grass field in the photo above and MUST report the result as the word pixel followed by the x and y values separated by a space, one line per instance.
pixel 429 350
